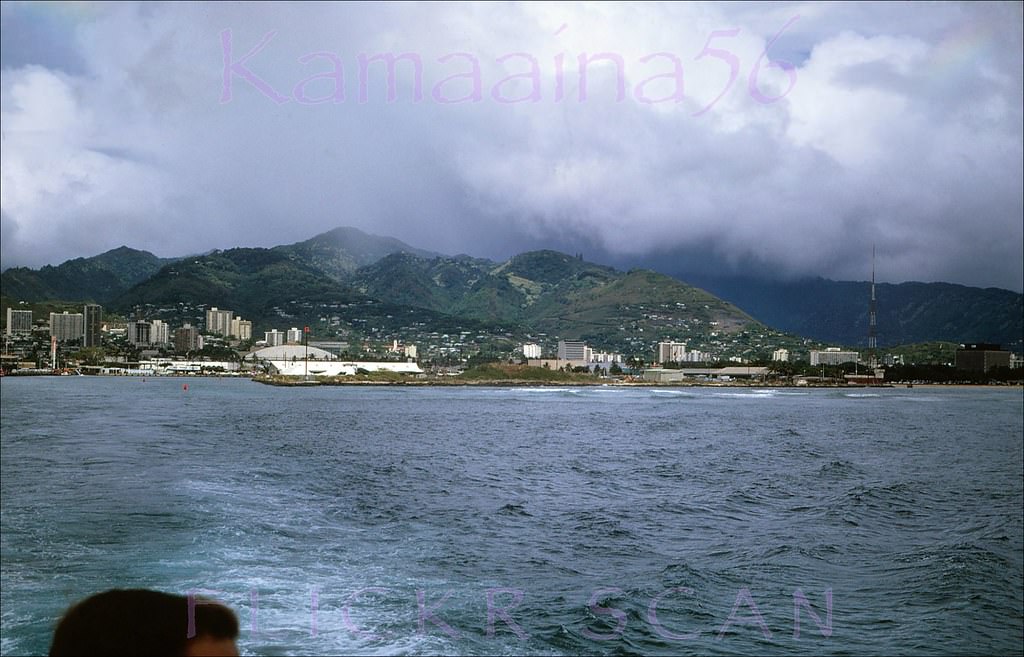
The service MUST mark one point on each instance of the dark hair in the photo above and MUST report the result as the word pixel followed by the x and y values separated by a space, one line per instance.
pixel 139 622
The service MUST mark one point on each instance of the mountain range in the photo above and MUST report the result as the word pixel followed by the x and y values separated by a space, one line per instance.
pixel 907 313
pixel 365 281
pixel 99 278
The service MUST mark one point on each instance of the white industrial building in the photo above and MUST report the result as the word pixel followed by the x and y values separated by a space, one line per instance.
pixel 289 352
pixel 291 360
pixel 833 356
pixel 339 368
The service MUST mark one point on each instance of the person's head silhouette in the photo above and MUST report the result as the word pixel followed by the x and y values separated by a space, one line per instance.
pixel 143 622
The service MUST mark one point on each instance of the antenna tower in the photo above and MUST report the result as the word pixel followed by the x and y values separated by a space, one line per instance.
pixel 872 340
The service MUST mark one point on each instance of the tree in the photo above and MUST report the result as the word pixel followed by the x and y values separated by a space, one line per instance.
pixel 91 356
pixel 782 368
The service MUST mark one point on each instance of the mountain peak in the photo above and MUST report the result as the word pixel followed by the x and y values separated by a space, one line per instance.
pixel 340 251
pixel 551 267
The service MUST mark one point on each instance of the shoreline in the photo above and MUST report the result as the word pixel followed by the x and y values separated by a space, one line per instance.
pixel 441 382
pixel 524 383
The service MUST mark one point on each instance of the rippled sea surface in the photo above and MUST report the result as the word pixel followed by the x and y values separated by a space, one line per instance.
pixel 539 521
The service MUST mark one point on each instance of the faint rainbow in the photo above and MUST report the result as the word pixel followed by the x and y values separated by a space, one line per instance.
pixel 961 49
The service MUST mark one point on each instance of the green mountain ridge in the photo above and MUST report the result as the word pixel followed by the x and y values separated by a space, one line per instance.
pixel 539 292
pixel 555 294
pixel 339 252
pixel 271 289
pixel 252 280
pixel 99 278
pixel 908 313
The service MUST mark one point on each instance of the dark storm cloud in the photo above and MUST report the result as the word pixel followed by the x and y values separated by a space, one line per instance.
pixel 907 137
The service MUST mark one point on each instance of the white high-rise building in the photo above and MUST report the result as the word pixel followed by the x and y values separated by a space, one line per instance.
pixel 698 357
pixel 571 350
pixel 780 355
pixel 67 326
pixel 671 352
pixel 294 335
pixel 531 350
pixel 218 321
pixel 274 338
pixel 19 321
pixel 241 328
pixel 159 332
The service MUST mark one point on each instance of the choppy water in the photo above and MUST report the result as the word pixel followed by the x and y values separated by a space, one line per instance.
pixel 340 519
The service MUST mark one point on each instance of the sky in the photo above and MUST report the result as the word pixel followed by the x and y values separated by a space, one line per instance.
pixel 778 140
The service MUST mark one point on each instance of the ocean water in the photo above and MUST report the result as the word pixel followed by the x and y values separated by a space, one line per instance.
pixel 543 521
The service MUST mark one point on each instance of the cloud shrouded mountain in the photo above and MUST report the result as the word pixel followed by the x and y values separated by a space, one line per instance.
pixel 547 290
pixel 179 128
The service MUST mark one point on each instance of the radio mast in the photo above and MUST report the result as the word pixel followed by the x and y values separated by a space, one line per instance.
pixel 872 338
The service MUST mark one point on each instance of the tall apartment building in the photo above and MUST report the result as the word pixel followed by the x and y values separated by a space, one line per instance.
pixel 67 326
pixel 159 332
pixel 571 350
pixel 19 321
pixel 139 333
pixel 218 321
pixel 241 329
pixel 93 325
pixel 531 350
pixel 187 338
pixel 274 338
pixel 294 335
pixel 780 355
pixel 671 352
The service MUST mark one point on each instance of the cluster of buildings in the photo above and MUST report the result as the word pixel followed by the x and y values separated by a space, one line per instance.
pixel 573 354
pixel 224 322
pixel 186 338
pixel 971 357
pixel 676 352
pixel 154 338
pixel 275 338
pixel 282 352
pixel 86 326
pixel 287 360
pixel 87 329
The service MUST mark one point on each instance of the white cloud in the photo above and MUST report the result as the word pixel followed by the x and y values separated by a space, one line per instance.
pixel 903 127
